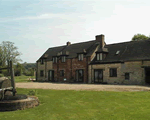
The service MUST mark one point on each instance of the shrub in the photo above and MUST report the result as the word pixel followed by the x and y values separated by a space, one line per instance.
pixel 5 72
pixel 32 92
pixel 1 75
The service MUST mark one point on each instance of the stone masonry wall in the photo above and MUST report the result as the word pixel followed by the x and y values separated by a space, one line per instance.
pixel 106 77
pixel 134 68
pixel 45 67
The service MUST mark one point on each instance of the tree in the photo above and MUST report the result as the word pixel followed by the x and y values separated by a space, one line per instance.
pixel 0 56
pixel 18 69
pixel 139 37
pixel 9 52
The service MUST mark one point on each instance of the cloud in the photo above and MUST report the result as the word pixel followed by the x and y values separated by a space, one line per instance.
pixel 43 16
pixel 49 16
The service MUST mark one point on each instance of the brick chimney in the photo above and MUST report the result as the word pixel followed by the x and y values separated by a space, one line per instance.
pixel 68 43
pixel 100 38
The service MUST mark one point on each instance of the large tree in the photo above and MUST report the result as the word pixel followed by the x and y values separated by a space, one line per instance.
pixel 9 52
pixel 139 37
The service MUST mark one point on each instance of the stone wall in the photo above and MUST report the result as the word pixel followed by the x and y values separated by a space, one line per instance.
pixel 106 77
pixel 48 65
pixel 134 68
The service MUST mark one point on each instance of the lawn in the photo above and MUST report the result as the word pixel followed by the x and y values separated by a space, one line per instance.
pixel 23 78
pixel 84 105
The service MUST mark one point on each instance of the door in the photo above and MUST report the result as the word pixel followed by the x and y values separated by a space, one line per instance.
pixel 51 75
pixel 98 76
pixel 147 75
pixel 79 75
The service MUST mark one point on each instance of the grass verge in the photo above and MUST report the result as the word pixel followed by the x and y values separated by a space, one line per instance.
pixel 84 105
pixel 23 78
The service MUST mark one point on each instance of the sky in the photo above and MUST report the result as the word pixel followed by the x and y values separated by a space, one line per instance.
pixel 36 25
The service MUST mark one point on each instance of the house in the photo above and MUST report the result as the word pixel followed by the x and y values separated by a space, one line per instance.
pixel 96 62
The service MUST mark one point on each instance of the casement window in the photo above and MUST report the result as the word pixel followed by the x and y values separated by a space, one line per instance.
pixel 80 75
pixel 42 61
pixel 41 73
pixel 80 57
pixel 127 76
pixel 54 59
pixel 61 73
pixel 99 56
pixel 63 59
pixel 113 72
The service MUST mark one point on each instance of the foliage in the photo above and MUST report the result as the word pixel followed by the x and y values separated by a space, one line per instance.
pixel 1 75
pixel 139 37
pixel 29 65
pixel 32 92
pixel 9 52
pixel 5 73
pixel 29 69
pixel 29 72
pixel 18 68
pixel 84 105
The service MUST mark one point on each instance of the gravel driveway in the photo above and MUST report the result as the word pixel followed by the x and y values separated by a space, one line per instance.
pixel 59 86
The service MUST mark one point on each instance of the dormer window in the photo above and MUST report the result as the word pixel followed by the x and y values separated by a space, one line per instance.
pixel 54 59
pixel 99 56
pixel 63 59
pixel 42 61
pixel 80 57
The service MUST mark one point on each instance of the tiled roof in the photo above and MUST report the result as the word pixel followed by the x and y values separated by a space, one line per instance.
pixel 127 51
pixel 72 50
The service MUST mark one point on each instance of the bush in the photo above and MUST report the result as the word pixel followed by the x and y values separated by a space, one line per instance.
pixel 32 92
pixel 29 72
pixel 1 75
pixel 5 72
pixel 17 73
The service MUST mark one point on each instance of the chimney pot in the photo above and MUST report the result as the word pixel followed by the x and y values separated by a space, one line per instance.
pixel 68 43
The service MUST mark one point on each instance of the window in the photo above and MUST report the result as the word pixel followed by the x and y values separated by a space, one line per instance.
pixel 79 75
pixel 80 57
pixel 42 61
pixel 98 75
pixel 99 56
pixel 113 72
pixel 127 76
pixel 63 59
pixel 117 52
pixel 41 73
pixel 62 73
pixel 54 59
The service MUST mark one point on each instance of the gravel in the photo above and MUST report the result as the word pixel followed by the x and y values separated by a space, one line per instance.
pixel 94 87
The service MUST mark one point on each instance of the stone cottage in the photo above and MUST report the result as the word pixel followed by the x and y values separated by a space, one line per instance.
pixel 96 62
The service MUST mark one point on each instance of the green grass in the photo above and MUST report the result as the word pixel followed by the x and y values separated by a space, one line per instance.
pixel 84 105
pixel 23 78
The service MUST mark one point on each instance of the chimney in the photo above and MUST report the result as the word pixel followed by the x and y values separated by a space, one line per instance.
pixel 100 38
pixel 68 43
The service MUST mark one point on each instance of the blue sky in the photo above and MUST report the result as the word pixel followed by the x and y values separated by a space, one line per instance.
pixel 36 25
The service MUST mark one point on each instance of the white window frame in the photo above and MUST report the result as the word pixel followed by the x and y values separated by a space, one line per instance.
pixel 80 57
pixel 101 56
pixel 63 59
pixel 54 59
pixel 98 56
